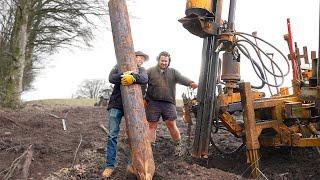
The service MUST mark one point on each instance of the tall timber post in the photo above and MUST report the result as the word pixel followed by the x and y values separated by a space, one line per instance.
pixel 135 117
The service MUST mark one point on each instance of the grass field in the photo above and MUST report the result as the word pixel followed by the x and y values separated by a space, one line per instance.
pixel 79 102
pixel 68 102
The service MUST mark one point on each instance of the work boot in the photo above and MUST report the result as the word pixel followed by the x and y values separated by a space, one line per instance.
pixel 178 148
pixel 130 169
pixel 131 172
pixel 107 172
pixel 153 144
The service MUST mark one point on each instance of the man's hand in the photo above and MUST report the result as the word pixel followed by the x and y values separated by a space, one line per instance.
pixel 145 103
pixel 128 72
pixel 127 78
pixel 194 85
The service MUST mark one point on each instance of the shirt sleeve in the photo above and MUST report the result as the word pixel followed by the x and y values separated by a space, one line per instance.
pixel 182 79
pixel 142 77
pixel 115 76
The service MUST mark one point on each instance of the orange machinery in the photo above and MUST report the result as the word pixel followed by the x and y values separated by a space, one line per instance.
pixel 281 120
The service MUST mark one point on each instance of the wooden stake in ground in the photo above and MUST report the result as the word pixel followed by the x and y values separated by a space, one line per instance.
pixel 76 153
pixel 141 152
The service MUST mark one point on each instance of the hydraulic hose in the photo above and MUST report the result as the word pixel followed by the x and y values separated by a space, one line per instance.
pixel 261 69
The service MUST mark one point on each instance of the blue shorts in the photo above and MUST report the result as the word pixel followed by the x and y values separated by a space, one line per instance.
pixel 157 109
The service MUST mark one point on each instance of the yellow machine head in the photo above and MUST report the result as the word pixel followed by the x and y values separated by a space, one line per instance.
pixel 199 7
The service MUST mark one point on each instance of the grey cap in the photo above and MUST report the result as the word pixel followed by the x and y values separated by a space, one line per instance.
pixel 140 53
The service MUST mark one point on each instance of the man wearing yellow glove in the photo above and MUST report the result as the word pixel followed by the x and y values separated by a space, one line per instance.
pixel 115 107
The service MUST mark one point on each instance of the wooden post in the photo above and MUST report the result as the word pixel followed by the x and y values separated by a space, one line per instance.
pixel 252 141
pixel 134 112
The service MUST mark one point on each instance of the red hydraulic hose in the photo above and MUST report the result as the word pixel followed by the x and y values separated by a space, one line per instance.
pixel 292 56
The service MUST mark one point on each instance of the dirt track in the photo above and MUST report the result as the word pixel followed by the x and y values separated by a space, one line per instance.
pixel 54 149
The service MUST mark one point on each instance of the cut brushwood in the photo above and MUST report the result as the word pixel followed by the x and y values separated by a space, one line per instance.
pixel 55 116
pixel 15 164
pixel 103 128
pixel 63 120
pixel 10 120
pixel 27 162
pixel 76 153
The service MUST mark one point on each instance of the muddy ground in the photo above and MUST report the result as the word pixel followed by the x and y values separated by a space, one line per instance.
pixel 54 149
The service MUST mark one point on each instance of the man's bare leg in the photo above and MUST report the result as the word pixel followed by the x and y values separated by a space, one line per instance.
pixel 175 135
pixel 173 129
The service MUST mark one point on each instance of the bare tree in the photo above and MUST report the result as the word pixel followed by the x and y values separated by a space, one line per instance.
pixel 59 24
pixel 32 29
pixel 92 88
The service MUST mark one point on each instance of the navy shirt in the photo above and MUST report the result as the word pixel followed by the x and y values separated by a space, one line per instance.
pixel 115 78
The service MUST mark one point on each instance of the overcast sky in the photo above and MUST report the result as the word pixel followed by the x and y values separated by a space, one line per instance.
pixel 157 29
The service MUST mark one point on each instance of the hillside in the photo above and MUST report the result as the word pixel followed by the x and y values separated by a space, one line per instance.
pixel 78 151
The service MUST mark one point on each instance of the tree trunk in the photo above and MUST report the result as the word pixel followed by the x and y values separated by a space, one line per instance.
pixel 136 122
pixel 16 66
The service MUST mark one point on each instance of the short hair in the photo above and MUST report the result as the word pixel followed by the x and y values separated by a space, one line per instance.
pixel 164 53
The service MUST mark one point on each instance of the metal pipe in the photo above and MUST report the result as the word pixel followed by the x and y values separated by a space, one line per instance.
pixel 273 71
pixel 218 12
pixel 134 112
pixel 231 16
pixel 206 94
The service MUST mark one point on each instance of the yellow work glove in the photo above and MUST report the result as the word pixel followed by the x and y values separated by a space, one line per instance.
pixel 127 79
